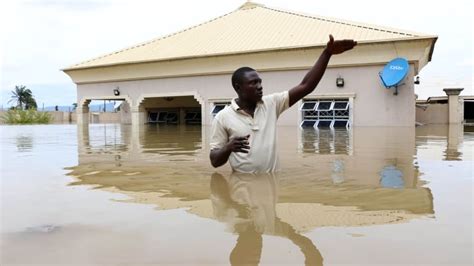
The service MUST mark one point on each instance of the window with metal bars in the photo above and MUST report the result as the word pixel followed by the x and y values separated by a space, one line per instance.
pixel 325 113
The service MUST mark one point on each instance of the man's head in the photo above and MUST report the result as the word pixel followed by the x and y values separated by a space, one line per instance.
pixel 247 84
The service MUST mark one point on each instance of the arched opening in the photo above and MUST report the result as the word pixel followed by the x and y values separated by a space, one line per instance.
pixel 104 110
pixel 179 110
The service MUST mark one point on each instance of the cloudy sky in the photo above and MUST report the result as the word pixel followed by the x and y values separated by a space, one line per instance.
pixel 39 37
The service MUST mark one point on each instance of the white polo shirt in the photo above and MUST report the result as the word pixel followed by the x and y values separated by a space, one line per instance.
pixel 233 122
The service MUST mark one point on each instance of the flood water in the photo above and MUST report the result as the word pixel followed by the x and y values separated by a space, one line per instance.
pixel 109 194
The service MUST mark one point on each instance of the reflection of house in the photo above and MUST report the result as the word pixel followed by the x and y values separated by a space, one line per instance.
pixel 189 71
pixel 367 177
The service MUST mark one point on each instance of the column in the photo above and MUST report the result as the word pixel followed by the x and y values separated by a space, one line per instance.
pixel 138 115
pixel 455 112
pixel 82 115
pixel 182 114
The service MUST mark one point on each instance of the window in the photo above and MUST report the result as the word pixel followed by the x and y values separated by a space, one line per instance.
pixel 341 105
pixel 162 117
pixel 340 123
pixel 219 107
pixel 324 106
pixel 192 117
pixel 152 117
pixel 172 118
pixel 327 113
pixel 308 123
pixel 166 117
pixel 308 106
pixel 324 123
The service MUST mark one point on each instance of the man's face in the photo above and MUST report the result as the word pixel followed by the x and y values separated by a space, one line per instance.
pixel 250 89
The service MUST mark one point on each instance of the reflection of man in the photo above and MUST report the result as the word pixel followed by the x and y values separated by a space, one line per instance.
pixel 246 202
pixel 245 132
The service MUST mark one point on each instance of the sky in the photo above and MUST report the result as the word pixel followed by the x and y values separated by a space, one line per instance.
pixel 40 37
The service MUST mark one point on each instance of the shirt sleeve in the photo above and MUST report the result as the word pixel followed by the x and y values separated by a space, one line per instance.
pixel 219 135
pixel 282 102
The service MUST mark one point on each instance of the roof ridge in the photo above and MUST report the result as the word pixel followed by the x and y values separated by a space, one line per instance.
pixel 249 5
pixel 153 40
pixel 342 22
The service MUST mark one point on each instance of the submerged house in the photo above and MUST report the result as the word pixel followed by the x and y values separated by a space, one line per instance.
pixel 184 77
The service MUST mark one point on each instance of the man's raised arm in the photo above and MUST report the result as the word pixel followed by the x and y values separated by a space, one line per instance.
pixel 314 75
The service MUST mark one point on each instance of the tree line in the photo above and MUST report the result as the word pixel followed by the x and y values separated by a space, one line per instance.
pixel 24 98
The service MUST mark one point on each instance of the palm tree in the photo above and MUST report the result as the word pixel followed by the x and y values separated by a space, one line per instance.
pixel 31 103
pixel 22 96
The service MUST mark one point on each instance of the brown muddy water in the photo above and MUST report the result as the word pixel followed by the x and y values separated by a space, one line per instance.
pixel 107 194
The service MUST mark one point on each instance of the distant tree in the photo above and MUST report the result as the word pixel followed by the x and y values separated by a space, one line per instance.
pixel 74 106
pixel 31 103
pixel 22 96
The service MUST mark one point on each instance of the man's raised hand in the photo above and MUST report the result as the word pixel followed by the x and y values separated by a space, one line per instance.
pixel 339 46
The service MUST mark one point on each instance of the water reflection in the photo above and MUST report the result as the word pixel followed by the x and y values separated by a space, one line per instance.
pixel 366 156
pixel 320 200
pixel 367 176
pixel 449 139
pixel 326 141
pixel 171 139
pixel 380 174
pixel 246 203
pixel 24 143
pixel 455 137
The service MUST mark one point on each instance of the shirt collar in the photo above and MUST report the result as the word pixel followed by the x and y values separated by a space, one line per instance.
pixel 236 107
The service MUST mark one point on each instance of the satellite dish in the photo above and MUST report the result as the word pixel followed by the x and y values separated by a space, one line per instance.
pixel 394 73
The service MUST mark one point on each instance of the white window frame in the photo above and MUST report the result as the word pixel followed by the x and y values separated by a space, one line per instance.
pixel 339 109
pixel 308 120
pixel 323 120
pixel 215 104
pixel 314 107
pixel 348 101
pixel 331 104
pixel 345 120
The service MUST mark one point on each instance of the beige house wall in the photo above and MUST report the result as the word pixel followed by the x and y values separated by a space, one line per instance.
pixel 372 104
pixel 105 117
pixel 433 114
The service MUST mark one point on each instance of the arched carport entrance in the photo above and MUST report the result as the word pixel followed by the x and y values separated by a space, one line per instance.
pixel 85 116
pixel 170 109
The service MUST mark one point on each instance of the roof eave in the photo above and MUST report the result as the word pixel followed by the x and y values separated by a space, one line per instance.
pixel 257 51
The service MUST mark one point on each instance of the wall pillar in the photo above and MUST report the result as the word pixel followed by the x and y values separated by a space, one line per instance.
pixel 455 112
pixel 82 115
pixel 83 140
pixel 182 114
pixel 455 138
pixel 138 115
pixel 125 114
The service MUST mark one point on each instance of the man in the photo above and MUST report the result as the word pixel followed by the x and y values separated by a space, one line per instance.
pixel 245 132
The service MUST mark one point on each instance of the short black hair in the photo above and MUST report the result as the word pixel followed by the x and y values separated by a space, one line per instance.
pixel 238 74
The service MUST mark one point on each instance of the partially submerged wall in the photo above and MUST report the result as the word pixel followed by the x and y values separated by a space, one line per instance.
pixel 433 114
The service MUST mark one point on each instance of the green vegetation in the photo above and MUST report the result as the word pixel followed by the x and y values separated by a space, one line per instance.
pixel 23 97
pixel 25 111
pixel 29 116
